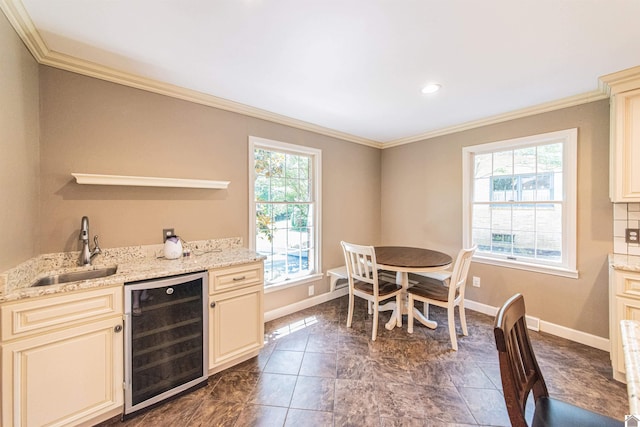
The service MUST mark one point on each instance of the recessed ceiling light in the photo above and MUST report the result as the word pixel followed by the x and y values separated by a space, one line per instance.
pixel 431 88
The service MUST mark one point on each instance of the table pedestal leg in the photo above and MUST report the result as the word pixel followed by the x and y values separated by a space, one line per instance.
pixel 417 314
pixel 396 317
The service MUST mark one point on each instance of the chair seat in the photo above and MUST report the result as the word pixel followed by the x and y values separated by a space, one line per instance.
pixel 551 412
pixel 384 287
pixel 430 288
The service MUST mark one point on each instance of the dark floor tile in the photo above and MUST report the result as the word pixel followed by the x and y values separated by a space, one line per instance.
pixel 322 343
pixel 467 375
pixel 235 386
pixel 402 422
pixel 273 390
pixel 314 393
pixel 399 400
pixel 319 365
pixel 261 416
pixel 212 412
pixel 355 420
pixel 354 367
pixel 431 373
pixel 486 405
pixel 306 418
pixel 445 404
pixel 354 397
pixel 296 341
pixel 284 362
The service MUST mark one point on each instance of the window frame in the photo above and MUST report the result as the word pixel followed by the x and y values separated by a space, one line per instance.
pixel 569 138
pixel 316 156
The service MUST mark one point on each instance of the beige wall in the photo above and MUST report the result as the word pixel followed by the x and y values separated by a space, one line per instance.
pixel 93 126
pixel 421 190
pixel 19 158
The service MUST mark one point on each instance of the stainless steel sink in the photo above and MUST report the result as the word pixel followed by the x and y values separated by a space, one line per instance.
pixel 75 276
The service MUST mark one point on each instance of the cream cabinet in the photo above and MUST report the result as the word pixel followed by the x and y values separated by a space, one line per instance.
pixel 236 316
pixel 62 358
pixel 624 181
pixel 624 301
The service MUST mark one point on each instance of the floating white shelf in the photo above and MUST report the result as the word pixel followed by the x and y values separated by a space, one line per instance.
pixel 147 181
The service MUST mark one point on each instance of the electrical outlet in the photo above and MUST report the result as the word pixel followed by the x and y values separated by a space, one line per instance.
pixel 311 290
pixel 476 281
pixel 632 235
pixel 167 232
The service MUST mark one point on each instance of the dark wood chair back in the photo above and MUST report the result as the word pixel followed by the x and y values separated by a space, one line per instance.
pixel 521 375
pixel 519 369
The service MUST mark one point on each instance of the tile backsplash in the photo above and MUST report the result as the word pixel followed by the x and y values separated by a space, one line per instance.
pixel 625 215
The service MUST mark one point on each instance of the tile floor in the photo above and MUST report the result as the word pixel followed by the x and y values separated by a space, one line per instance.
pixel 313 371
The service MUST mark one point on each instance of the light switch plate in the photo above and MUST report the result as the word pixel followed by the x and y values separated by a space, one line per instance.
pixel 632 235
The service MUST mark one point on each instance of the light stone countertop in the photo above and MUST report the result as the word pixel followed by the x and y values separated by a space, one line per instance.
pixel 625 262
pixel 631 347
pixel 134 263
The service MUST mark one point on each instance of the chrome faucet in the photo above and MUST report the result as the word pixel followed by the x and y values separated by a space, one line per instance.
pixel 87 255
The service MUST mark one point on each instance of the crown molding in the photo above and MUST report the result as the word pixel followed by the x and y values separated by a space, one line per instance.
pixel 571 101
pixel 23 25
pixel 621 81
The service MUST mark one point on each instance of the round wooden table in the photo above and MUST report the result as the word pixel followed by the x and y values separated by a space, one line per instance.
pixel 404 260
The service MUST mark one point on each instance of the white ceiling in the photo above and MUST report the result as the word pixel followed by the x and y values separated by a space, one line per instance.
pixel 354 66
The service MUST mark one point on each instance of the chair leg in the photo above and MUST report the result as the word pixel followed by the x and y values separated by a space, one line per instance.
pixel 350 315
pixel 370 307
pixel 410 314
pixel 463 318
pixel 399 307
pixel 425 310
pixel 452 327
pixel 376 314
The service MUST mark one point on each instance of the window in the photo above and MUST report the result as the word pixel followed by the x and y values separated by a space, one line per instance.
pixel 284 224
pixel 519 200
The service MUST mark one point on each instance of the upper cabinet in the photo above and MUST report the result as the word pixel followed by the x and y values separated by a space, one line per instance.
pixel 624 180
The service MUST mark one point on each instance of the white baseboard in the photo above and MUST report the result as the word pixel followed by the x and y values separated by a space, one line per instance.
pixel 548 327
pixel 532 322
pixel 306 303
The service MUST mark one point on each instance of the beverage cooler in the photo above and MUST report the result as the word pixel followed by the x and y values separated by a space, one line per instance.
pixel 166 338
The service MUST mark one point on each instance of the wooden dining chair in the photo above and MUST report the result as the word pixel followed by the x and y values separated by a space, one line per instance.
pixel 521 374
pixel 443 290
pixel 364 282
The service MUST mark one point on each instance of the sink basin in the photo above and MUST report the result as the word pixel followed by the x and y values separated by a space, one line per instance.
pixel 75 276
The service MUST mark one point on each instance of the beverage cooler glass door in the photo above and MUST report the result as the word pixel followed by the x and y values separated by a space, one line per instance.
pixel 165 338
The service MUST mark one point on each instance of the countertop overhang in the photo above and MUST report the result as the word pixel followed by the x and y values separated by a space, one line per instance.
pixel 624 262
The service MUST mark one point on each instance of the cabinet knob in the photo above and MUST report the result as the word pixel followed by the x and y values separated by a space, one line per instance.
pixel 118 328
pixel 213 304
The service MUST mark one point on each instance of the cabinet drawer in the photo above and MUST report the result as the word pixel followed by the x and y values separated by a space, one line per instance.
pixel 228 278
pixel 37 315
pixel 627 283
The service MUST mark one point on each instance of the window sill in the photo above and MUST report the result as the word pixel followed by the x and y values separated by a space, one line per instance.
pixel 535 268
pixel 274 287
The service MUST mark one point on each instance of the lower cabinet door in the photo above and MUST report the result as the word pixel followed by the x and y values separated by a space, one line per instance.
pixel 236 324
pixel 65 377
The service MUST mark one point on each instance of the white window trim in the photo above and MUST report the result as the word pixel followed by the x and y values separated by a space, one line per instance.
pixel 269 144
pixel 569 225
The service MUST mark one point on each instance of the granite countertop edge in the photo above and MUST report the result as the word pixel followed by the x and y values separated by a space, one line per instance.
pixel 130 269
pixel 624 262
